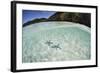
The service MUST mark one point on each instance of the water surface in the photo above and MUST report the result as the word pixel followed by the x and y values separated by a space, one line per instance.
pixel 55 41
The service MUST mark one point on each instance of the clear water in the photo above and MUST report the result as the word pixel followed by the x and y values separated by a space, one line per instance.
pixel 55 41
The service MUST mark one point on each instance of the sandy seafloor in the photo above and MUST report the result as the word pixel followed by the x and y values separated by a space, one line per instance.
pixel 55 41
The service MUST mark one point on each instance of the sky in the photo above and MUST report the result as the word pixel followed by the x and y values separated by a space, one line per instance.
pixel 29 15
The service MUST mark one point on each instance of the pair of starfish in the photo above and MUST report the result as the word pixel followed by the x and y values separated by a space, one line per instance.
pixel 49 43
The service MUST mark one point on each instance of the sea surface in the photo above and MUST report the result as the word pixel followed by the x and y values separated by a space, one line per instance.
pixel 55 41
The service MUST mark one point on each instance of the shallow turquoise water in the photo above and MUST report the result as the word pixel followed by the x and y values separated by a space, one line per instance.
pixel 56 41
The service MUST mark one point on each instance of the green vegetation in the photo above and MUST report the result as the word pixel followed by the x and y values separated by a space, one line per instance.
pixel 35 21
pixel 82 18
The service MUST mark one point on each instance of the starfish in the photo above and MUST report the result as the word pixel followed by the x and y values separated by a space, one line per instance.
pixel 49 43
pixel 56 46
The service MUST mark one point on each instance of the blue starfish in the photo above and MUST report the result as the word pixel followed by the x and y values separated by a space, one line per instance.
pixel 49 43
pixel 56 46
